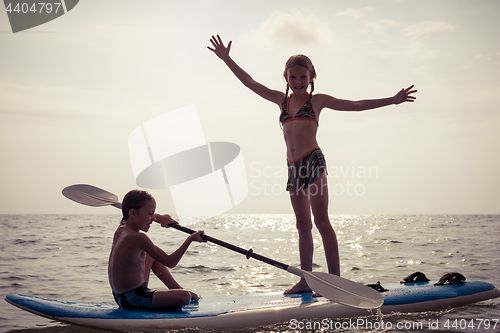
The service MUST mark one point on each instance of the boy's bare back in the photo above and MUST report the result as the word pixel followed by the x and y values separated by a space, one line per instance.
pixel 127 260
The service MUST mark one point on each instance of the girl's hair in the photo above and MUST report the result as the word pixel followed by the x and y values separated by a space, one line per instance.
pixel 299 60
pixel 134 199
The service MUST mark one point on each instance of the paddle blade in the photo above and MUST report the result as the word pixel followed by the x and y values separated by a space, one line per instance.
pixel 91 196
pixel 344 291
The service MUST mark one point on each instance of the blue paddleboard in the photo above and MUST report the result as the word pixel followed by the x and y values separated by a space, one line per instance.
pixel 242 311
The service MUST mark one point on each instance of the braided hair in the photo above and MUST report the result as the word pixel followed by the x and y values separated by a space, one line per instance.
pixel 298 60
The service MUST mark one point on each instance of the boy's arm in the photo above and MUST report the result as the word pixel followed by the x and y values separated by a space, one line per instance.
pixel 222 52
pixel 163 258
pixel 162 272
pixel 345 105
pixel 176 256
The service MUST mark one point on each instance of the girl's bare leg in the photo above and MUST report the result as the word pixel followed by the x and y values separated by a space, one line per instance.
pixel 302 208
pixel 314 198
pixel 318 191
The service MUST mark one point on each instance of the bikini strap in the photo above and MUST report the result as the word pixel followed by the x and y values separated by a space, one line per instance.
pixel 284 101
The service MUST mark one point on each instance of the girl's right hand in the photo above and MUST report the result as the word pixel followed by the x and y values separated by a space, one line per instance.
pixel 219 48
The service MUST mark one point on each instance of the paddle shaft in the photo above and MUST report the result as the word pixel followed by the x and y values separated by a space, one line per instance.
pixel 248 253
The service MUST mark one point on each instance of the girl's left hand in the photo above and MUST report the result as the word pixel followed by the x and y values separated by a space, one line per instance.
pixel 405 95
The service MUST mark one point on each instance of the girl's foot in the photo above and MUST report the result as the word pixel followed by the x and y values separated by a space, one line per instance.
pixel 299 287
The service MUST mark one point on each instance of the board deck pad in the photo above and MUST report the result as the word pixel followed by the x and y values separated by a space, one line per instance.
pixel 427 291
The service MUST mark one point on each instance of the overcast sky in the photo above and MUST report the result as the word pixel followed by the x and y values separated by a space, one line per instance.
pixel 73 89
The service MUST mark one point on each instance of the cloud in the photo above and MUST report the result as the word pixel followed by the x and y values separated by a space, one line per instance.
pixel 416 49
pixel 417 33
pixel 426 28
pixel 357 13
pixel 290 28
pixel 411 37
pixel 417 30
pixel 51 102
pixel 483 57
pixel 382 26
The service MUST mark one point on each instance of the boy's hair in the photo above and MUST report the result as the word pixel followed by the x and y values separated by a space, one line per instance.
pixel 134 199
pixel 300 60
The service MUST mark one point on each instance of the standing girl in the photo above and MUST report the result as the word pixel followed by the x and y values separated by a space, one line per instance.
pixel 307 176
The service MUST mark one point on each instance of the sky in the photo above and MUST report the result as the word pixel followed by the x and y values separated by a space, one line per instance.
pixel 73 89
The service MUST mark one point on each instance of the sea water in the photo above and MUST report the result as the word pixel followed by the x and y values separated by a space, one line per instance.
pixel 65 257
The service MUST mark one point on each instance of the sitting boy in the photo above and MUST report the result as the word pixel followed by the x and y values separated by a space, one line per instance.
pixel 133 255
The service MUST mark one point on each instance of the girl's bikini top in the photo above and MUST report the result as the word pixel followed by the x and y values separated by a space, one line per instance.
pixel 306 112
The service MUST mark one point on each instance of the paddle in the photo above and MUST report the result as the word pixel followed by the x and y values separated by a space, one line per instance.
pixel 333 287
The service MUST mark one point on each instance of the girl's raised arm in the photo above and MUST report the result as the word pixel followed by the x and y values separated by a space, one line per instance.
pixel 222 52
pixel 327 101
